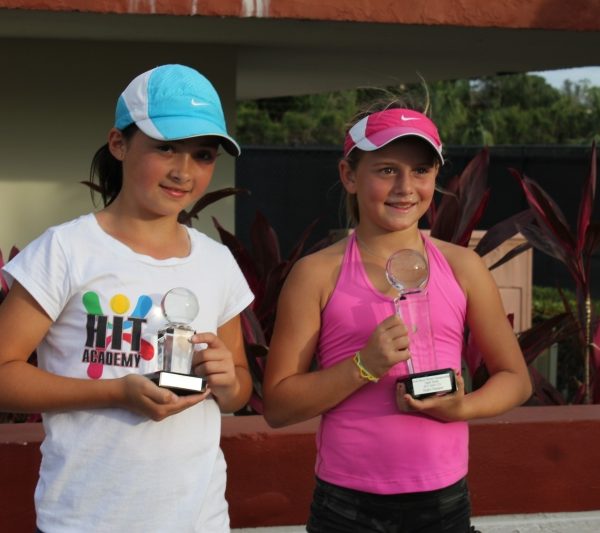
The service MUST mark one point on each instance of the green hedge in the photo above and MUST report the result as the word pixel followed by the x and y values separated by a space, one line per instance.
pixel 546 302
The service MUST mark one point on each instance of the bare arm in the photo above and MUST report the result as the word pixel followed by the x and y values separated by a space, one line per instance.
pixel 225 365
pixel 509 384
pixel 292 393
pixel 26 388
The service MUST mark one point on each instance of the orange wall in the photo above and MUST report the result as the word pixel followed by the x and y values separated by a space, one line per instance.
pixel 531 460
pixel 581 15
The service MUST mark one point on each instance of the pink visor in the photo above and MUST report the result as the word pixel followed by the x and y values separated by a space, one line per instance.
pixel 375 131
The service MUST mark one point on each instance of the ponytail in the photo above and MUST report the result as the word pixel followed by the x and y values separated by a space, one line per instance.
pixel 107 171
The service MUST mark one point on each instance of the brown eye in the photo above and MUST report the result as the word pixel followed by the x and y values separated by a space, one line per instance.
pixel 207 155
pixel 387 171
pixel 423 170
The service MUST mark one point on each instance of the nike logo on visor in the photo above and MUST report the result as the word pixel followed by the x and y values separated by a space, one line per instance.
pixel 196 103
pixel 406 119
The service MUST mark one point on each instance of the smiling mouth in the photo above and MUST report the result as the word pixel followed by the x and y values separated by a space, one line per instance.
pixel 174 191
pixel 400 205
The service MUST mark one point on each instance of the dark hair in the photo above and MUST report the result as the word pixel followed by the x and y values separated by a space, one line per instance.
pixel 108 171
pixel 388 101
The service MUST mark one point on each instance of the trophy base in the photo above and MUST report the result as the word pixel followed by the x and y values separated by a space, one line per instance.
pixel 181 384
pixel 434 382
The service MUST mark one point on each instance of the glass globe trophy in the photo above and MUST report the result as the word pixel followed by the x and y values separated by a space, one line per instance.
pixel 407 271
pixel 175 351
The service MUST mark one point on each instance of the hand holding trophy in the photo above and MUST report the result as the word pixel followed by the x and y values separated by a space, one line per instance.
pixel 175 351
pixel 407 271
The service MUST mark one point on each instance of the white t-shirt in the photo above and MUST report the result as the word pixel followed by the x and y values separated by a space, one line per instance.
pixel 109 470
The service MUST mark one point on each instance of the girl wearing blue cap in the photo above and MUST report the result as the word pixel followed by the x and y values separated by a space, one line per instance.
pixel 121 453
pixel 386 461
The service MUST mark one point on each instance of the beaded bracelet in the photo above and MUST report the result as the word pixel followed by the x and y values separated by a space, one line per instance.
pixel 364 373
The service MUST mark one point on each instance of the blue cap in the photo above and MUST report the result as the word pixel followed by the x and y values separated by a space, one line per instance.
pixel 172 102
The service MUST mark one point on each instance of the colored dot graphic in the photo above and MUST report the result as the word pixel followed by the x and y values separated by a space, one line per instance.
pixel 119 304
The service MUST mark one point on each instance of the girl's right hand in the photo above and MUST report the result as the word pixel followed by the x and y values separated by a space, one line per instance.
pixel 387 346
pixel 142 396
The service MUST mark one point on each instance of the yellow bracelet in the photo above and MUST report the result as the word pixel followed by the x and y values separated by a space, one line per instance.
pixel 364 373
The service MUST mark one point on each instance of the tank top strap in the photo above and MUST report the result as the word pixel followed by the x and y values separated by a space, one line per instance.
pixel 438 263
pixel 352 270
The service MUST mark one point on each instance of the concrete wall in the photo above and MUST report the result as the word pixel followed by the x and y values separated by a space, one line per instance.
pixel 57 101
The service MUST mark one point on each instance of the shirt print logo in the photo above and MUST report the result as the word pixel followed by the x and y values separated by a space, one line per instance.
pixel 107 336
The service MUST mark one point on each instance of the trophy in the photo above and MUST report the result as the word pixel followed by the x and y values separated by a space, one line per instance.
pixel 407 271
pixel 175 351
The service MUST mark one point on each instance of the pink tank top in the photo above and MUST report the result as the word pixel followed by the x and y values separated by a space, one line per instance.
pixel 365 443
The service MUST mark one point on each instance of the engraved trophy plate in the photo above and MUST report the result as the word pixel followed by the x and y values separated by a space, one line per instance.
pixel 407 271
pixel 175 351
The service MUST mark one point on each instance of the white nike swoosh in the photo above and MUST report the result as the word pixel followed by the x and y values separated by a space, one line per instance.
pixel 406 119
pixel 196 103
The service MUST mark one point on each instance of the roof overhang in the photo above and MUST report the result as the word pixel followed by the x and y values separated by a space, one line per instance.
pixel 297 47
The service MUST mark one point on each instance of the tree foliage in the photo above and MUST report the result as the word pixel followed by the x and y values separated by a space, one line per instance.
pixel 291 121
pixel 509 109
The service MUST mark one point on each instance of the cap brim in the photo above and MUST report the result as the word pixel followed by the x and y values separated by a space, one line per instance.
pixel 178 128
pixel 385 137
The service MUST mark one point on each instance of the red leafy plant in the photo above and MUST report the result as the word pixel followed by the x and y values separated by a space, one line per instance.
pixel 460 210
pixel 552 235
pixel 265 270
pixel 463 203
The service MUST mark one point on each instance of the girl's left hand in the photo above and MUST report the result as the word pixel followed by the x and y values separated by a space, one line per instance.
pixel 447 407
pixel 215 363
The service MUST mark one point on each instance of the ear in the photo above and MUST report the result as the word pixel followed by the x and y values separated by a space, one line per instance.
pixel 117 144
pixel 347 176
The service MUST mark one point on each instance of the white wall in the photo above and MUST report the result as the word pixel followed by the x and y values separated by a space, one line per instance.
pixel 57 102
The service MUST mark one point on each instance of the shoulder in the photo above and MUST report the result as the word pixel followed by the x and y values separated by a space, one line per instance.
pixel 201 238
pixel 45 266
pixel 317 273
pixel 319 262
pixel 58 238
pixel 208 246
pixel 69 238
pixel 79 226
pixel 468 267
pixel 455 253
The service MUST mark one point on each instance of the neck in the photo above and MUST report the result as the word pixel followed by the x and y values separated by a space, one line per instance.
pixel 161 237
pixel 383 245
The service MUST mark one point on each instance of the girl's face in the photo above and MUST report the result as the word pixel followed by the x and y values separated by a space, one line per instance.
pixel 394 185
pixel 160 178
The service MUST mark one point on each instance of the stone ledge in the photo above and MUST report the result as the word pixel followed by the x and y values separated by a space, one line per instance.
pixel 531 460
pixel 582 522
pixel 536 460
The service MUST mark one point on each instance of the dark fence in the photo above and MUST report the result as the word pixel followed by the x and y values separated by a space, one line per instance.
pixel 294 186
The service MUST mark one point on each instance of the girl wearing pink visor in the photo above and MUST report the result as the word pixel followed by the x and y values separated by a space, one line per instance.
pixel 387 461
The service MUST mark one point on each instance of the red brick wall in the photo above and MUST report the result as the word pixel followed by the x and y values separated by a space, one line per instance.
pixel 582 15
